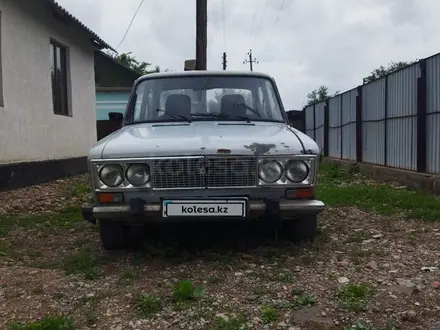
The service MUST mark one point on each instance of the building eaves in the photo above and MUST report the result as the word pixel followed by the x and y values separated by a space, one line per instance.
pixel 74 21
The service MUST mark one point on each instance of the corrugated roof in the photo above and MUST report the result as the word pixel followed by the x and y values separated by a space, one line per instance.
pixel 60 10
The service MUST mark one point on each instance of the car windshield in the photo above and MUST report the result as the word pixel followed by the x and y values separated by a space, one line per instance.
pixel 204 98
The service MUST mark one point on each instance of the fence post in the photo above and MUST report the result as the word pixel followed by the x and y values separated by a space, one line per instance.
pixel 385 147
pixel 359 125
pixel 314 123
pixel 326 128
pixel 341 127
pixel 421 117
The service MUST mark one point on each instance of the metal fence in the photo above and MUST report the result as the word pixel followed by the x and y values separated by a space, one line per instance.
pixel 392 121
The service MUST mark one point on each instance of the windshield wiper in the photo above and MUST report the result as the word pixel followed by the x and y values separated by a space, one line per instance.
pixel 221 115
pixel 174 115
pixel 249 108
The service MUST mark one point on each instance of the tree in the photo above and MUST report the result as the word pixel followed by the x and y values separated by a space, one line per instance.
pixel 319 95
pixel 383 71
pixel 129 61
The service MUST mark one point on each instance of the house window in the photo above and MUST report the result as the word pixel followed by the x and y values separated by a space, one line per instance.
pixel 58 57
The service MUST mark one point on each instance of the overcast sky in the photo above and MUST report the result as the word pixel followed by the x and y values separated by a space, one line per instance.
pixel 301 43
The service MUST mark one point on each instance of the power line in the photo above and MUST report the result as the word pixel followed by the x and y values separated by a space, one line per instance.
pixel 129 26
pixel 253 20
pixel 215 19
pixel 224 23
pixel 273 26
pixel 264 12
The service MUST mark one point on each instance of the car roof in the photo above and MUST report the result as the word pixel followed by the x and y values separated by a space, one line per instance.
pixel 197 73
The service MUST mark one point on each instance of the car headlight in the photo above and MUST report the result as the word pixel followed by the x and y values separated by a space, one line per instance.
pixel 111 175
pixel 296 171
pixel 138 174
pixel 270 171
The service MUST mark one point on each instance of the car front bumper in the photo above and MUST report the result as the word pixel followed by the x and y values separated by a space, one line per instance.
pixel 146 212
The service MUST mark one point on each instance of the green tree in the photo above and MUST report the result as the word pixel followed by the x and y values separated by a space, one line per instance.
pixel 383 71
pixel 126 59
pixel 320 94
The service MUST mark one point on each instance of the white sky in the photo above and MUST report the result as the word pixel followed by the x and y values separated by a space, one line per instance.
pixel 314 42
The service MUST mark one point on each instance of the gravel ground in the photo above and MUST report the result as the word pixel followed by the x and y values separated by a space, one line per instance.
pixel 379 272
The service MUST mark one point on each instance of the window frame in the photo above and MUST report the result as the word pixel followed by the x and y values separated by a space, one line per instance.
pixel 60 104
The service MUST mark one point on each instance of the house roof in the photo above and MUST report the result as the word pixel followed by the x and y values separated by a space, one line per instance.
pixel 74 21
pixel 117 63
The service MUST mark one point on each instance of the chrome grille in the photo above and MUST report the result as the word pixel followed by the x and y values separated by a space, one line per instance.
pixel 177 173
pixel 231 172
pixel 200 172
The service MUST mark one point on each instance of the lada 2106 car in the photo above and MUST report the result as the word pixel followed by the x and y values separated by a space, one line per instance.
pixel 203 145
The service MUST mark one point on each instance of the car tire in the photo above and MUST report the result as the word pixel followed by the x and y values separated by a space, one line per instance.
pixel 300 229
pixel 114 235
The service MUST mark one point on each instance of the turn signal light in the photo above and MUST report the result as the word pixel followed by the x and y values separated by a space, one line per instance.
pixel 299 193
pixel 106 198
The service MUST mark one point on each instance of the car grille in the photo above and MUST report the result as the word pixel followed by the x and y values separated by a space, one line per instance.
pixel 204 172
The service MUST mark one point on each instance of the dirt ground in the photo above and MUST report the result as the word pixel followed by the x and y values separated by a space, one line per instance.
pixel 365 270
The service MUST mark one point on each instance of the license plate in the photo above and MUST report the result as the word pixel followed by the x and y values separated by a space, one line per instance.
pixel 204 208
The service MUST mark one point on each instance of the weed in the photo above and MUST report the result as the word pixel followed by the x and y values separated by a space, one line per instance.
pixel 232 322
pixel 49 322
pixel 268 314
pixel 355 296
pixel 302 300
pixel 128 277
pixel 148 304
pixel 78 189
pixel 185 291
pixel 83 262
pixel 285 278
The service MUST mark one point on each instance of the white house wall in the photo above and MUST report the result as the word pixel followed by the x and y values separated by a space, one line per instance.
pixel 29 129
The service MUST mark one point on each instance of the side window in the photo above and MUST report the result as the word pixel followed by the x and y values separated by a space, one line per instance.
pixel 59 75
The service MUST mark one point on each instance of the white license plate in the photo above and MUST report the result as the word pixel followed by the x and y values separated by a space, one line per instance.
pixel 204 208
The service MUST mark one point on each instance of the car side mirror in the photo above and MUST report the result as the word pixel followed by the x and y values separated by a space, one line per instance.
pixel 115 116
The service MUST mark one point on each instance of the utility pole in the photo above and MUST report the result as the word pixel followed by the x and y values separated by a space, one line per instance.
pixel 250 61
pixel 201 33
pixel 224 61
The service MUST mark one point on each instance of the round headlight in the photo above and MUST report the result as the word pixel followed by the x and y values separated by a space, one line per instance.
pixel 111 175
pixel 270 171
pixel 138 174
pixel 297 171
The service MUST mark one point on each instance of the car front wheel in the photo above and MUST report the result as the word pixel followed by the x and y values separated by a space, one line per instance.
pixel 300 229
pixel 114 235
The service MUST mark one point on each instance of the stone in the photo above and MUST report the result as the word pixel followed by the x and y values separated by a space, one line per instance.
pixel 343 280
pixel 372 264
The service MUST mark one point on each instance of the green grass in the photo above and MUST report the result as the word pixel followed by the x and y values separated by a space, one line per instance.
pixel 65 218
pixel 355 296
pixel 148 304
pixel 85 263
pixel 47 323
pixel 337 187
pixel 268 314
pixel 186 291
pixel 128 277
pixel 232 322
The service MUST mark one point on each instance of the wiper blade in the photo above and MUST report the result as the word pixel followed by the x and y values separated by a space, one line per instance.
pixel 221 115
pixel 174 115
pixel 249 108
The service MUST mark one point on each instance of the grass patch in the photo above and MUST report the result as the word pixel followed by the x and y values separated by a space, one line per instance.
pixel 128 277
pixel 337 187
pixel 232 322
pixel 355 296
pixel 78 189
pixel 147 304
pixel 83 262
pixel 64 218
pixel 268 314
pixel 302 300
pixel 186 291
pixel 47 323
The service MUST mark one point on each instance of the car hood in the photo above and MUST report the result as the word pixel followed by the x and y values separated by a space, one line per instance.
pixel 205 138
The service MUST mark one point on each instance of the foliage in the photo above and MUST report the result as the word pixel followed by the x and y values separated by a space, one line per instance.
pixel 320 94
pixel 129 61
pixel 383 71
pixel 46 323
